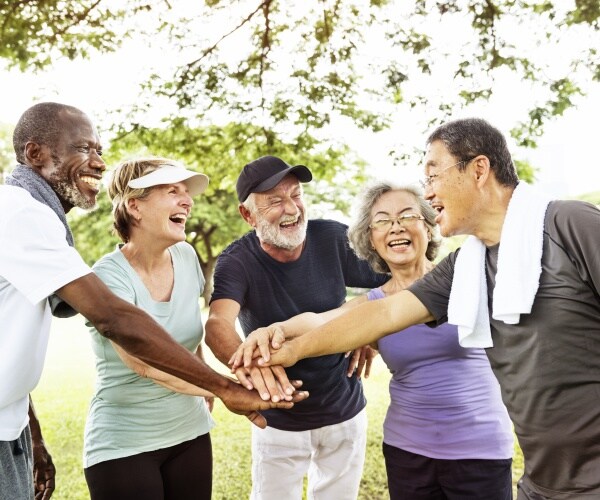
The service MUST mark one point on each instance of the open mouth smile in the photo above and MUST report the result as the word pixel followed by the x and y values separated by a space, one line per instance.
pixel 91 181
pixel 179 218
pixel 399 243
pixel 289 223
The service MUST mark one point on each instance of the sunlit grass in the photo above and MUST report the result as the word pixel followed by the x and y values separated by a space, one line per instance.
pixel 64 392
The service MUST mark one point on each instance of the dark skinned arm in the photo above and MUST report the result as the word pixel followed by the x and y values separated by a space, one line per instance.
pixel 44 471
pixel 139 335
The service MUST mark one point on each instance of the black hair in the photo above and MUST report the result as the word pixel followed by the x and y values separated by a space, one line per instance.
pixel 470 137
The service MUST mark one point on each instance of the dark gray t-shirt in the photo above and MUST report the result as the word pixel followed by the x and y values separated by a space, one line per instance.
pixel 548 365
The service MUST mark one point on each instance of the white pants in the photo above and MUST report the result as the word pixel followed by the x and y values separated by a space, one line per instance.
pixel 333 456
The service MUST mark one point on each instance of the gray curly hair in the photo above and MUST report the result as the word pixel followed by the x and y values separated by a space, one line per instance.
pixel 359 231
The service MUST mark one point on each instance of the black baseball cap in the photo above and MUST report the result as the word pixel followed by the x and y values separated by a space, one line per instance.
pixel 265 173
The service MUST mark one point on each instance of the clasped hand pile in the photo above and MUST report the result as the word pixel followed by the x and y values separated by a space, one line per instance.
pixel 260 360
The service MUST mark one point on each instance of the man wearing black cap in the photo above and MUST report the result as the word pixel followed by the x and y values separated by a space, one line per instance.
pixel 286 266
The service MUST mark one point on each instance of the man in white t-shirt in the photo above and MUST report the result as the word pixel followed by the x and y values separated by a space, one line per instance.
pixel 60 166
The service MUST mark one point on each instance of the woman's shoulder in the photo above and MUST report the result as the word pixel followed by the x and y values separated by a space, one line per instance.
pixel 184 250
pixel 110 260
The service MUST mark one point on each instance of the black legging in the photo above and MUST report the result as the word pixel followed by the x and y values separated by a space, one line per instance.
pixel 180 472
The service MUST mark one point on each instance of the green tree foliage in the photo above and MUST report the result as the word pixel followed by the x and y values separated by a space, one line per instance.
pixel 33 33
pixel 255 77
pixel 303 64
pixel 307 64
pixel 593 198
pixel 525 171
pixel 219 152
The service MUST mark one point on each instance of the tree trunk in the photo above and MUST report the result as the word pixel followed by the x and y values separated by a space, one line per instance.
pixel 208 270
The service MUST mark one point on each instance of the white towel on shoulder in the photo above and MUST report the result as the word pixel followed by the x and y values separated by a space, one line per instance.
pixel 517 276
pixel 467 307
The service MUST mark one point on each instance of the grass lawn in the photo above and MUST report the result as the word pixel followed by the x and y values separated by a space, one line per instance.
pixel 66 386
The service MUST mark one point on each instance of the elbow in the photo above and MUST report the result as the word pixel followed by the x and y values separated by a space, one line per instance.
pixel 106 326
pixel 210 337
pixel 120 326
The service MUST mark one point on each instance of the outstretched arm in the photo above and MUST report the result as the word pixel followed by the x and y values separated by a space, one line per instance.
pixel 158 376
pixel 138 334
pixel 273 336
pixel 360 326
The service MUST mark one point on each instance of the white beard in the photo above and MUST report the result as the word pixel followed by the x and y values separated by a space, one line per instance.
pixel 273 235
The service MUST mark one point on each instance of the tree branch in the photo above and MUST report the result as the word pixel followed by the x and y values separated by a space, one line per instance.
pixel 264 52
pixel 75 20
pixel 14 7
pixel 210 49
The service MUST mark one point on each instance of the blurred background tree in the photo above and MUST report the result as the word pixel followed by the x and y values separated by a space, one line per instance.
pixel 237 79
pixel 219 152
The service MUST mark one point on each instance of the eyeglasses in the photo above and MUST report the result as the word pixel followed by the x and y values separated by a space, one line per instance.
pixel 405 221
pixel 428 181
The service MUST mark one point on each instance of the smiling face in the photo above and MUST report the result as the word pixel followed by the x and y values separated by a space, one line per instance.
pixel 401 244
pixel 279 215
pixel 162 214
pixel 452 193
pixel 73 166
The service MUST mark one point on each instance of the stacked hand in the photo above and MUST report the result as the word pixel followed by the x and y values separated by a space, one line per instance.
pixel 267 348
pixel 249 403
pixel 271 382
pixel 260 343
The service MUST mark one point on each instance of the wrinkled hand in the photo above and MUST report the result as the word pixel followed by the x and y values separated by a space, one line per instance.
pixel 243 402
pixel 263 339
pixel 271 383
pixel 44 471
pixel 362 359
pixel 285 356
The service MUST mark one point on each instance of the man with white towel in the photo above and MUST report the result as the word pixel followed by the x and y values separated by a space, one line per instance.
pixel 525 285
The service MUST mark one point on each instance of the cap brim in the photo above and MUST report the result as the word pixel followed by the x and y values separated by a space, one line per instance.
pixel 195 182
pixel 300 171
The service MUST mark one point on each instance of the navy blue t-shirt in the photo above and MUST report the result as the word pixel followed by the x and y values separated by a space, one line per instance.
pixel 270 291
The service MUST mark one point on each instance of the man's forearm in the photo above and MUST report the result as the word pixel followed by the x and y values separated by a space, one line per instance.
pixel 351 331
pixel 221 339
pixel 34 423
pixel 303 323
pixel 164 353
pixel 138 334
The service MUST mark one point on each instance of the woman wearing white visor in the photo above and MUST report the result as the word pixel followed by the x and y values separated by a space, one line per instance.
pixel 142 438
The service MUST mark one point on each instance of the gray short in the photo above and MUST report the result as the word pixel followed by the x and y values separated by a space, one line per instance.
pixel 16 470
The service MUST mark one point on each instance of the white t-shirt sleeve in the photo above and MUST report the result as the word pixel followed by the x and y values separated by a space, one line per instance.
pixel 35 257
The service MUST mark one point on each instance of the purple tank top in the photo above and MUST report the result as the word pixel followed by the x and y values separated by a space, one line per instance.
pixel 445 400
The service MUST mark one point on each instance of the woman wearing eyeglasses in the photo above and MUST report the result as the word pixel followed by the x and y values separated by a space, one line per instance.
pixel 447 434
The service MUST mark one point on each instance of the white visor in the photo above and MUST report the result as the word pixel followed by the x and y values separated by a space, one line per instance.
pixel 171 174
